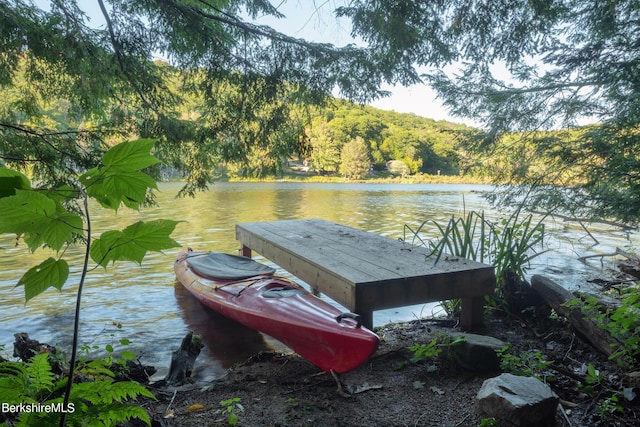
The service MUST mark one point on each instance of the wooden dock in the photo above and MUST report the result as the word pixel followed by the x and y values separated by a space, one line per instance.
pixel 365 272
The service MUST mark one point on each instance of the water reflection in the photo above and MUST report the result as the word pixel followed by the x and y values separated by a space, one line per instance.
pixel 155 314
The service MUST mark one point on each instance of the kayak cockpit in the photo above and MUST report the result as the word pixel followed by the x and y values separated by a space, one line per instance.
pixel 217 265
pixel 283 291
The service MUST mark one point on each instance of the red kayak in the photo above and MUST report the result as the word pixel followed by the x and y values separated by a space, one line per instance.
pixel 249 293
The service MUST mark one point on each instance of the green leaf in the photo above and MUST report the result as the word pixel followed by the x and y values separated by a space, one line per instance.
pixel 63 193
pixel 20 212
pixel 132 243
pixel 130 155
pixel 232 419
pixel 49 273
pixel 114 246
pixel 94 185
pixel 128 355
pixel 41 379
pixel 14 382
pixel 128 187
pixel 120 181
pixel 39 218
pixel 11 180
pixel 55 231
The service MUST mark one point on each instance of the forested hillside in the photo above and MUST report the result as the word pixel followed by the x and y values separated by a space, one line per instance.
pixel 415 144
pixel 264 141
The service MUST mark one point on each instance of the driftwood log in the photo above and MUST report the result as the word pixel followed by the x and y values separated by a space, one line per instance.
pixel 556 296
pixel 632 268
pixel 183 359
pixel 25 348
pixel 604 301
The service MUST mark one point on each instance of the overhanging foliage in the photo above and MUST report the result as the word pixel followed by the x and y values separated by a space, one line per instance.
pixel 250 85
pixel 534 65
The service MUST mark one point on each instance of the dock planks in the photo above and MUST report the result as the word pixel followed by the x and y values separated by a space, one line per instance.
pixel 364 271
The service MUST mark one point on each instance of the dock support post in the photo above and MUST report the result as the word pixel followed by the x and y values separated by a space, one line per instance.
pixel 245 251
pixel 367 319
pixel 472 312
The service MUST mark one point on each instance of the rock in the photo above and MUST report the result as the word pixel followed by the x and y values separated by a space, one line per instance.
pixel 478 352
pixel 631 383
pixel 517 401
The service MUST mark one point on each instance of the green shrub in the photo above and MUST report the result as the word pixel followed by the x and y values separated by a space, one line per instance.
pixel 527 363
pixel 442 346
pixel 622 323
pixel 55 219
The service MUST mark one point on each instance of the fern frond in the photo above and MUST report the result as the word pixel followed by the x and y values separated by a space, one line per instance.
pixel 104 392
pixel 12 382
pixel 11 368
pixel 41 379
pixel 25 382
pixel 123 412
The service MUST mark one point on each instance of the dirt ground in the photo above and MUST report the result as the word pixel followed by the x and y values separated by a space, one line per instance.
pixel 390 390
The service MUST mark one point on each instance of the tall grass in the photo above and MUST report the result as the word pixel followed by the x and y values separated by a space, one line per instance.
pixel 509 244
pixel 514 244
pixel 465 237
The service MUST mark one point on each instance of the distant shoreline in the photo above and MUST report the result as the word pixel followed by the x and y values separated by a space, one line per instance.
pixel 412 179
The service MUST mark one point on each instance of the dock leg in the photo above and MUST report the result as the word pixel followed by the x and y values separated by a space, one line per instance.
pixel 367 319
pixel 472 313
pixel 245 251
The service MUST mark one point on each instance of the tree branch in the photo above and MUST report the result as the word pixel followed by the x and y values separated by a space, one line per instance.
pixel 536 89
pixel 120 59
pixel 38 135
pixel 270 33
pixel 589 220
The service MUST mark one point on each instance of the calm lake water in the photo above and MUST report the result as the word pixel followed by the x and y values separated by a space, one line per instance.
pixel 145 305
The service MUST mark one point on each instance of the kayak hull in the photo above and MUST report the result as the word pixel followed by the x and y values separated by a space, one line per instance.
pixel 314 329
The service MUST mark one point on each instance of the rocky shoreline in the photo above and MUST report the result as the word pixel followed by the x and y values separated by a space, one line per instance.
pixel 393 389
pixel 400 386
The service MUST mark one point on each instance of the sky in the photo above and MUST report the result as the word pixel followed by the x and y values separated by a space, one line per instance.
pixel 313 20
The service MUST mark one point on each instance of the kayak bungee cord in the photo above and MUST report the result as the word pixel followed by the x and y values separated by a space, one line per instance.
pixel 251 281
pixel 288 285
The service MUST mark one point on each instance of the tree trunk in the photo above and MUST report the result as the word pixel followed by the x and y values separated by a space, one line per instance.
pixel 556 296
pixel 183 359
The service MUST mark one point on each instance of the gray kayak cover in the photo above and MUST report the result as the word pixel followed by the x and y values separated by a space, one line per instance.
pixel 218 265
